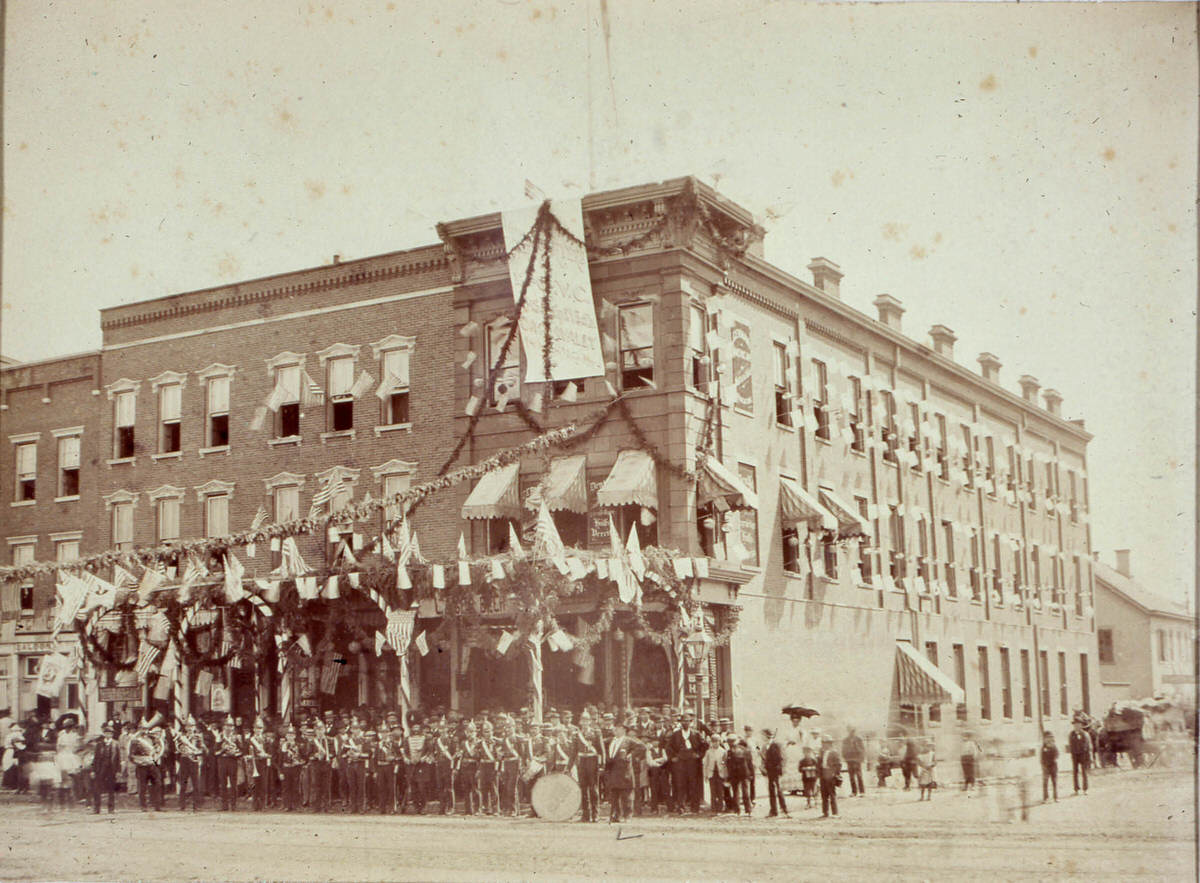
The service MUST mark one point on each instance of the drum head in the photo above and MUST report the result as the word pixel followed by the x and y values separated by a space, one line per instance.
pixel 555 797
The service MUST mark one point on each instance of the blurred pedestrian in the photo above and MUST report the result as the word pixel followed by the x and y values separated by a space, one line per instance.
pixel 829 772
pixel 1049 755
pixel 926 770
pixel 714 773
pixel 909 764
pixel 969 758
pixel 739 767
pixel 808 776
pixel 773 767
pixel 853 753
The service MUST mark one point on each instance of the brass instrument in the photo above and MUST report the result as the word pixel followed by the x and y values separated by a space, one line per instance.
pixel 185 746
pixel 256 751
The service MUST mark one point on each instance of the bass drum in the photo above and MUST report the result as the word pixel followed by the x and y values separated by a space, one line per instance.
pixel 555 797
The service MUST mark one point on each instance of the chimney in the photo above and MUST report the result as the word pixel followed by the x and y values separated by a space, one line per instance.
pixel 1053 401
pixel 890 310
pixel 337 258
pixel 1029 388
pixel 827 276
pixel 1123 562
pixel 943 340
pixel 989 367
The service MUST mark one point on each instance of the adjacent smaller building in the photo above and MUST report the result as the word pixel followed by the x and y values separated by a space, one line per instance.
pixel 1146 642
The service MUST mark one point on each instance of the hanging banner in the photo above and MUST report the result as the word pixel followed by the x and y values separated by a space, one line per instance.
pixel 742 366
pixel 51 673
pixel 575 336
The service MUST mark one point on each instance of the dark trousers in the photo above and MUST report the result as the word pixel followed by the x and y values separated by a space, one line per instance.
pixel 510 780
pixel 489 793
pixel 1049 778
pixel 227 781
pixel 467 785
pixel 775 793
pixel 716 793
pixel 909 768
pixel 740 792
pixel 188 773
pixel 98 789
pixel 685 785
pixel 621 801
pixel 385 788
pixel 356 784
pixel 404 779
pixel 660 788
pixel 854 771
pixel 260 786
pixel 828 797
pixel 588 770
pixel 1079 767
pixel 150 777
pixel 968 770
pixel 320 775
pixel 443 778
pixel 291 787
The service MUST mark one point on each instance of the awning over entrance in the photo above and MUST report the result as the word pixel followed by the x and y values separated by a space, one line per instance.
pixel 850 523
pixel 631 482
pixel 496 495
pixel 719 485
pixel 920 682
pixel 565 485
pixel 796 504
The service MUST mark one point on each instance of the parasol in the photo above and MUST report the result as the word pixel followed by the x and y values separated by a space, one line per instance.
pixel 797 710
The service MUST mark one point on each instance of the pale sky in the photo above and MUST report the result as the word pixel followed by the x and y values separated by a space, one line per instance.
pixel 1024 174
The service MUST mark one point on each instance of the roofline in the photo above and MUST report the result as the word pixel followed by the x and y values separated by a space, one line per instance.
pixel 1149 611
pixel 13 365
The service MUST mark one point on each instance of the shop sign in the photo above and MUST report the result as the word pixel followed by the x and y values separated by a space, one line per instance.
pixel 120 694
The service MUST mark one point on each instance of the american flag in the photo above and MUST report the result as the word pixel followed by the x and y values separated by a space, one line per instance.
pixel 546 541
pixel 260 518
pixel 147 654
pixel 362 385
pixel 151 580
pixel 290 562
pixel 400 629
pixel 310 393
pixel 404 544
pixel 233 579
pixel 323 495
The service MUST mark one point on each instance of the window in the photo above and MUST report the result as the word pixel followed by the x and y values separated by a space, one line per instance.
pixel 216 515
pixel 989 463
pixel 1064 706
pixel 960 677
pixel 170 397
pixel 218 412
pixel 26 453
pixel 1014 468
pixel 393 484
pixel 950 569
pixel 68 466
pixel 395 387
pixel 168 519
pixel 1030 483
pixel 748 518
pixel 340 383
pixel 888 429
pixel 865 544
pixel 931 653
pixel 783 396
pixel 943 456
pixel 820 378
pixel 286 502
pixel 1051 479
pixel 1005 685
pixel 698 347
pixel 1074 496
pixel 985 695
pixel 287 416
pixel 1162 645
pixel 124 407
pixel 1035 559
pixel 1077 584
pixel 896 552
pixel 791 548
pixel 1044 670
pixel 23 554
pixel 635 339
pixel 66 550
pixel 968 460
pixel 1085 693
pixel 857 430
pixel 976 571
pixel 914 437
pixel 122 526
pixel 712 537
pixel 1026 686
pixel 997 569
pixel 1018 582
pixel 923 561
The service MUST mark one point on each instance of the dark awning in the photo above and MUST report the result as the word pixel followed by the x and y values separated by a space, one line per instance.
pixel 920 682
pixel 850 523
pixel 718 484
pixel 796 505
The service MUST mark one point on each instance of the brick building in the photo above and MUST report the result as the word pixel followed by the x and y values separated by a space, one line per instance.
pixel 892 538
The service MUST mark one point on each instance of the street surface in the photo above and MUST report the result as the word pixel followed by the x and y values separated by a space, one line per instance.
pixel 1133 825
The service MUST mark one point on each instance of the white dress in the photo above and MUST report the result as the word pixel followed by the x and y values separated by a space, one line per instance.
pixel 67 753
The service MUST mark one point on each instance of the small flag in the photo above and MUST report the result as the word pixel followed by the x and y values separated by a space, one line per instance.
pixel 259 420
pixel 276 398
pixel 506 639
pixel 362 385
pixel 400 629
pixel 380 640
pixel 576 567
pixel 472 406
pixel 385 547
pixel 546 541
pixel 439 576
pixel 147 653
pixel 151 580
pixel 233 579
pixel 122 578
pixel 536 404
pixel 331 592
pixel 602 568
pixel 469 329
pixel 422 644
pixel 470 360
pixel 306 587
pixel 310 393
pixel 464 566
pixel 571 392
pixel 497 569
pixel 260 518
pixel 514 544
pixel 634 549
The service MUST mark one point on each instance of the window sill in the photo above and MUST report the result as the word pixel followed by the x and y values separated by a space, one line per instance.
pixel 171 455
pixel 392 427
pixel 828 580
pixel 17 504
pixel 286 440
pixel 74 498
pixel 785 427
pixel 793 574
pixel 219 449
pixel 822 439
pixel 341 433
pixel 117 461
pixel 867 586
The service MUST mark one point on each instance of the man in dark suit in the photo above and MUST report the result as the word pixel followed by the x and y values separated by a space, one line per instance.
pixel 106 762
pixel 619 774
pixel 829 774
pixel 773 767
pixel 1080 746
pixel 685 751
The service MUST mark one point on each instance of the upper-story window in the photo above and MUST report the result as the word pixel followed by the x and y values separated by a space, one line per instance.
pixel 820 394
pixel 287 415
pixel 699 354
pixel 1104 643
pixel 635 341
pixel 989 463
pixel 968 458
pixel 914 434
pixel 976 567
pixel 858 437
pixel 394 353
pixel 951 568
pixel 1014 468
pixel 1051 479
pixel 23 553
pixel 1073 495
pixel 395 477
pixel 1077 584
pixel 217 379
pixel 215 496
pixel 120 506
pixel 340 383
pixel 170 399
pixel 943 453
pixel 66 546
pixel 997 566
pixel 26 469
pixel 783 394
pixel 891 437
pixel 123 395
pixel 69 441
pixel 506 384
pixel 1031 482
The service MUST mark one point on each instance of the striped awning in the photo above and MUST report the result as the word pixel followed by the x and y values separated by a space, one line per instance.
pixel 632 481
pixel 796 505
pixel 496 495
pixel 717 484
pixel 850 523
pixel 565 485
pixel 920 682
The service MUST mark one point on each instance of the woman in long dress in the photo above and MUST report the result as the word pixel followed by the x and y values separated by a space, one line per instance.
pixel 10 764
pixel 66 756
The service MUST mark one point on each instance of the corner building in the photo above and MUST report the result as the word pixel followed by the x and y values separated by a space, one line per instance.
pixel 887 536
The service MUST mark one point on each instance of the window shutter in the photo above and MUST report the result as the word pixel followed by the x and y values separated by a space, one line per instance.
pixel 169 402
pixel 126 402
pixel 395 367
pixel 218 395
pixel 26 460
pixel 341 376
pixel 68 452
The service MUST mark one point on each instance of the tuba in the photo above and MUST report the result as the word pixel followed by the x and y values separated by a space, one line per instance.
pixel 143 750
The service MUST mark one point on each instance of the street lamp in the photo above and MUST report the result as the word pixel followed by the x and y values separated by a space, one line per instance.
pixel 696 646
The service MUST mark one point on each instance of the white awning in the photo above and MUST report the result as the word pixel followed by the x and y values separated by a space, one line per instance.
pixel 920 682
pixel 632 481
pixel 850 523
pixel 796 505
pixel 496 495
pixel 565 485
pixel 718 484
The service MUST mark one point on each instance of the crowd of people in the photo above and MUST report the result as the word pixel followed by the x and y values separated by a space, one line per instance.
pixel 638 762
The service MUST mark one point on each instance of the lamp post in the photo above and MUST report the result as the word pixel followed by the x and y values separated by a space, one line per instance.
pixel 696 646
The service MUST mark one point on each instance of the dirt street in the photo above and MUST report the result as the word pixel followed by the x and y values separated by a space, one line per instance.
pixel 1133 825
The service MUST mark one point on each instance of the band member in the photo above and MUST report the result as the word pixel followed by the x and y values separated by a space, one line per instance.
pixel 619 772
pixel 370 769
pixel 353 753
pixel 588 753
pixel 189 756
pixel 320 754
pixel 467 774
pixel 385 763
pixel 228 751
pixel 419 766
pixel 509 756
pixel 106 762
pixel 442 754
pixel 291 762
pixel 146 751
pixel 257 765
pixel 488 770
